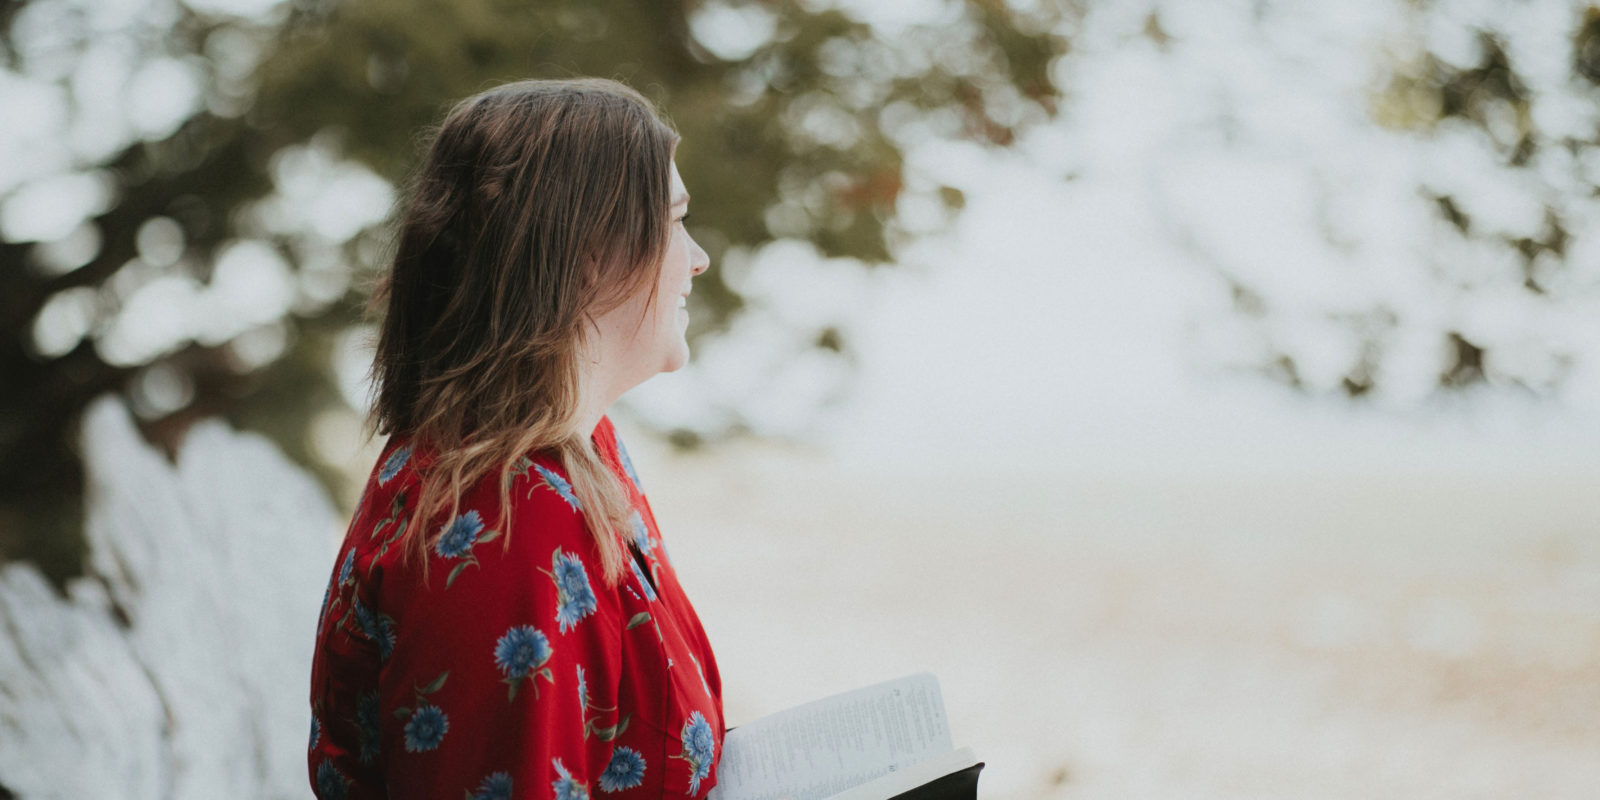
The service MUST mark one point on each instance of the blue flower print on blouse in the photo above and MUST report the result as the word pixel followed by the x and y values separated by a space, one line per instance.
pixel 625 771
pixel 627 466
pixel 641 535
pixel 497 786
pixel 331 783
pixel 522 653
pixel 377 628
pixel 327 594
pixel 393 464
pixel 347 569
pixel 698 744
pixel 643 584
pixel 316 733
pixel 567 788
pixel 559 484
pixel 365 619
pixel 574 597
pixel 458 537
pixel 426 728
pixel 426 724
pixel 367 726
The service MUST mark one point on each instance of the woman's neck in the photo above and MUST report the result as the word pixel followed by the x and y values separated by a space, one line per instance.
pixel 604 374
pixel 598 388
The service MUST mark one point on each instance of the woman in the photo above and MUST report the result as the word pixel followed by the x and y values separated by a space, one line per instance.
pixel 503 619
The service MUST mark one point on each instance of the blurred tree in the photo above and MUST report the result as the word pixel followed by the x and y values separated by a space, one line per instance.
pixel 1543 159
pixel 1511 94
pixel 187 216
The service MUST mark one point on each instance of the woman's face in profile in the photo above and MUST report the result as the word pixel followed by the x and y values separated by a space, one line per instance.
pixel 645 335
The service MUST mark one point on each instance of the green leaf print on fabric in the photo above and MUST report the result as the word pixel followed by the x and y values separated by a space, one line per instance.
pixel 591 725
pixel 519 469
pixel 396 509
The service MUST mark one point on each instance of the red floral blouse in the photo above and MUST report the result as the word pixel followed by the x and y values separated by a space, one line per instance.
pixel 511 669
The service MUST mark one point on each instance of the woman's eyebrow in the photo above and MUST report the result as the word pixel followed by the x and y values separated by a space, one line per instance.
pixel 681 199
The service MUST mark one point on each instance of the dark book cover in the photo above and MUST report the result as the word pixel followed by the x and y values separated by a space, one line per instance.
pixel 958 785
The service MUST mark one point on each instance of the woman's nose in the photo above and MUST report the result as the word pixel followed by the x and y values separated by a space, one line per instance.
pixel 700 261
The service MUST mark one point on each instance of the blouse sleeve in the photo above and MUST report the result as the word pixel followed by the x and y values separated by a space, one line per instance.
pixel 505 658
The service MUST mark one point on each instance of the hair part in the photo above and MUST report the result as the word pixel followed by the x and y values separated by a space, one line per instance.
pixel 539 205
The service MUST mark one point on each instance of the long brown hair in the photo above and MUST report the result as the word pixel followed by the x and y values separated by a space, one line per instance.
pixel 540 203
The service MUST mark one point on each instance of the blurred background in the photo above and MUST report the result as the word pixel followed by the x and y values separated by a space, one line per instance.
pixel 1204 391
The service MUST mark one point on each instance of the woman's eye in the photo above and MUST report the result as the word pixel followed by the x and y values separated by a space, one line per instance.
pixel 684 218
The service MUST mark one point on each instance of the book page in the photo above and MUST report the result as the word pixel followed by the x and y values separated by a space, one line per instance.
pixel 824 747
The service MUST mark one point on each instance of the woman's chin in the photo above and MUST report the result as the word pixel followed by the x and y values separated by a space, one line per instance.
pixel 676 359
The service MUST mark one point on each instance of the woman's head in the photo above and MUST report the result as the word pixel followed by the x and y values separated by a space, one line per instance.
pixel 536 226
pixel 540 203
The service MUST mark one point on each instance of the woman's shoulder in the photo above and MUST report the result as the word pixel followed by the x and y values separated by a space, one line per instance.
pixel 403 461
pixel 408 463
pixel 532 503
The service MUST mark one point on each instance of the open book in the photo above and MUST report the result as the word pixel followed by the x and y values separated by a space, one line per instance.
pixel 890 740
